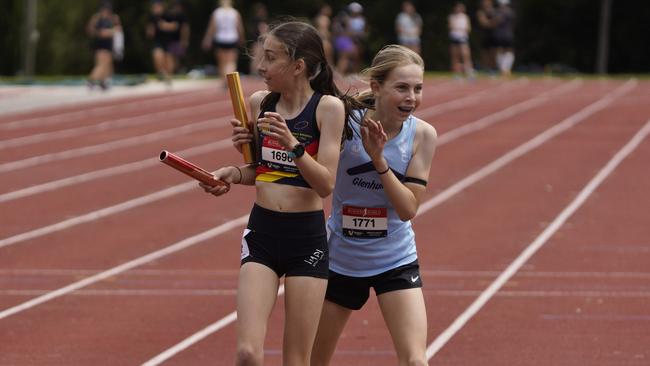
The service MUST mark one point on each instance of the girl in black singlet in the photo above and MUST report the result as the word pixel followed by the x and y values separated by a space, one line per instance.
pixel 101 28
pixel 301 122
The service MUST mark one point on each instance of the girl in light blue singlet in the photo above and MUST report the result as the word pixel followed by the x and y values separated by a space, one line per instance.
pixel 380 183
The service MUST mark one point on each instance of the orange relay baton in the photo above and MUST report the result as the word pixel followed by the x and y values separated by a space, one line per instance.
pixel 239 106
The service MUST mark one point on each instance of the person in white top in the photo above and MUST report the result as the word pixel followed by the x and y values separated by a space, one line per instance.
pixel 408 26
pixel 459 29
pixel 225 34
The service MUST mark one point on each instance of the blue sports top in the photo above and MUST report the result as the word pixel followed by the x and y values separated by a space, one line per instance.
pixel 366 236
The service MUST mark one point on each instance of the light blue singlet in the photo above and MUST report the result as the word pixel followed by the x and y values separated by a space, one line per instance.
pixel 366 237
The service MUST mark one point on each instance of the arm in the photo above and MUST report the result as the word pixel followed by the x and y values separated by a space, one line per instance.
pixel 241 31
pixel 405 197
pixel 185 35
pixel 90 27
pixel 117 24
pixel 320 173
pixel 206 43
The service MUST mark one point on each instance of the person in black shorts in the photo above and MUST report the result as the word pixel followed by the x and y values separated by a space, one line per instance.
pixel 485 16
pixel 167 30
pixel 101 27
pixel 504 37
pixel 300 124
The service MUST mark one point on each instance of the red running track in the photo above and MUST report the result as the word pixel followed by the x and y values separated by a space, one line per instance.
pixel 530 256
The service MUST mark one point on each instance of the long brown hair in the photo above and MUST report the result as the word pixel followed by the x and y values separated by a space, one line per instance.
pixel 302 41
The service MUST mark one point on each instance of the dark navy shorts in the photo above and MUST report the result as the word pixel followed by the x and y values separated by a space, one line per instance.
pixel 290 243
pixel 353 292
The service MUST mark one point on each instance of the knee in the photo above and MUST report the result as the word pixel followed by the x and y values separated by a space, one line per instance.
pixel 417 362
pixel 413 360
pixel 248 356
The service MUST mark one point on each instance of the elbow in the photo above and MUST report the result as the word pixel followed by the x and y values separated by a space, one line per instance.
pixel 325 190
pixel 407 214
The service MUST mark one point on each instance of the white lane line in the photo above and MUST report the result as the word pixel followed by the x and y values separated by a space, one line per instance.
pixel 528 146
pixel 22 272
pixel 503 114
pixel 442 139
pixel 225 321
pixel 185 243
pixel 129 292
pixel 453 190
pixel 107 172
pixel 547 293
pixel 233 292
pixel 100 111
pixel 196 337
pixel 135 273
pixel 134 120
pixel 533 247
pixel 96 215
pixel 112 145
pixel 472 98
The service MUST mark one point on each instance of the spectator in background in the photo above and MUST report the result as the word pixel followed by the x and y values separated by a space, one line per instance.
pixel 180 36
pixel 161 29
pixel 225 34
pixel 408 26
pixel 322 23
pixel 257 27
pixel 504 36
pixel 357 28
pixel 485 16
pixel 101 27
pixel 459 29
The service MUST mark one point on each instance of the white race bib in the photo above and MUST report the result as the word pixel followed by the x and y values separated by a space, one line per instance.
pixel 365 222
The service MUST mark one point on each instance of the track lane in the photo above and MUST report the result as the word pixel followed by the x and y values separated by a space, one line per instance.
pixel 219 339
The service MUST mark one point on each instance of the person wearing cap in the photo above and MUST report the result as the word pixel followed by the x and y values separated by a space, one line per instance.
pixel 101 27
pixel 357 28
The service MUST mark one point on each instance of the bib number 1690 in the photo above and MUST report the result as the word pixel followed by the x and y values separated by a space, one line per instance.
pixel 280 155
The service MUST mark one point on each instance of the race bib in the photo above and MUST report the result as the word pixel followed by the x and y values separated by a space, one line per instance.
pixel 365 222
pixel 276 157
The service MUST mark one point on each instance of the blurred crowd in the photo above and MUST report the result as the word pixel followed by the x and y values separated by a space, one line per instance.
pixel 345 37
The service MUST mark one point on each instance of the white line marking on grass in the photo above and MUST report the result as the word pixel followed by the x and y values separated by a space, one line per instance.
pixel 107 172
pixel 185 243
pixel 461 185
pixel 112 145
pixel 196 337
pixel 533 247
